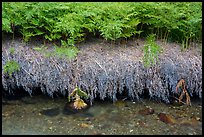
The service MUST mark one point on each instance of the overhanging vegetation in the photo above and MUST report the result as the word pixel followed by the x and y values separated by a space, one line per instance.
pixel 72 22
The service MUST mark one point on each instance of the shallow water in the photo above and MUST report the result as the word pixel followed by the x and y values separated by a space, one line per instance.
pixel 29 116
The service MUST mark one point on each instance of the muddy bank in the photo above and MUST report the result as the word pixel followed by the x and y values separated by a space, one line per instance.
pixel 103 70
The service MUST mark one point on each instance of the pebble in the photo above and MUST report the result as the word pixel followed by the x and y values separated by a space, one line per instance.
pixel 166 118
pixel 84 125
pixel 141 124
pixel 146 111
pixel 5 115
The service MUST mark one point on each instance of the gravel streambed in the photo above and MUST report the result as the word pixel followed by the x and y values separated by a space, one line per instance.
pixel 43 115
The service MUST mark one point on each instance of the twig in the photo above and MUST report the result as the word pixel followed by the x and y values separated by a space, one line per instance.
pixel 101 67
pixel 27 72
pixel 60 68
pixel 178 100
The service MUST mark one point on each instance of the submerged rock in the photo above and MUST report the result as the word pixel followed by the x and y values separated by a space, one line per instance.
pixel 146 111
pixel 167 118
pixel 85 125
pixel 192 122
pixel 51 112
pixel 176 103
pixel 120 103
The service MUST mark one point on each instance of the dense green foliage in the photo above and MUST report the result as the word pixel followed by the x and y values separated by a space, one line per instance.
pixel 11 66
pixel 151 51
pixel 73 21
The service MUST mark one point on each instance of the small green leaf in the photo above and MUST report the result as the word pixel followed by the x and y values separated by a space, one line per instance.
pixel 11 66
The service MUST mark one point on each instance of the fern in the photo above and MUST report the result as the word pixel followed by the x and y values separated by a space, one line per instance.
pixel 72 21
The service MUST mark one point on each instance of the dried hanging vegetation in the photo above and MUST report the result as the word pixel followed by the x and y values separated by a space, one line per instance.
pixel 182 84
pixel 102 71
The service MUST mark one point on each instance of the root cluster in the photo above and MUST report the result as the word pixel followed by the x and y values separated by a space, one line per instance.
pixel 103 70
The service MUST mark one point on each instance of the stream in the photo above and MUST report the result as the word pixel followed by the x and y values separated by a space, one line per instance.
pixel 41 115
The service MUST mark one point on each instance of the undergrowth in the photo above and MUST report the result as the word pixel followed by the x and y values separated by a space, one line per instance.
pixel 151 51
pixel 71 22
pixel 66 52
pixel 11 66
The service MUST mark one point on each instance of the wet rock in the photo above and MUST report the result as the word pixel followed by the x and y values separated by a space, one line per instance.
pixel 50 112
pixel 167 118
pixel 70 110
pixel 146 111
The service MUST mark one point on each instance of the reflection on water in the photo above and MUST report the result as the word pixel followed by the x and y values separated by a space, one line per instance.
pixel 42 115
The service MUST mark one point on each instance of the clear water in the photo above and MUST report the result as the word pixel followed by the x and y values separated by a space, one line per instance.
pixel 25 116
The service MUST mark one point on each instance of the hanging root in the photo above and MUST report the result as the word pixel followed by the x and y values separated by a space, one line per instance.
pixel 182 84
pixel 103 71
